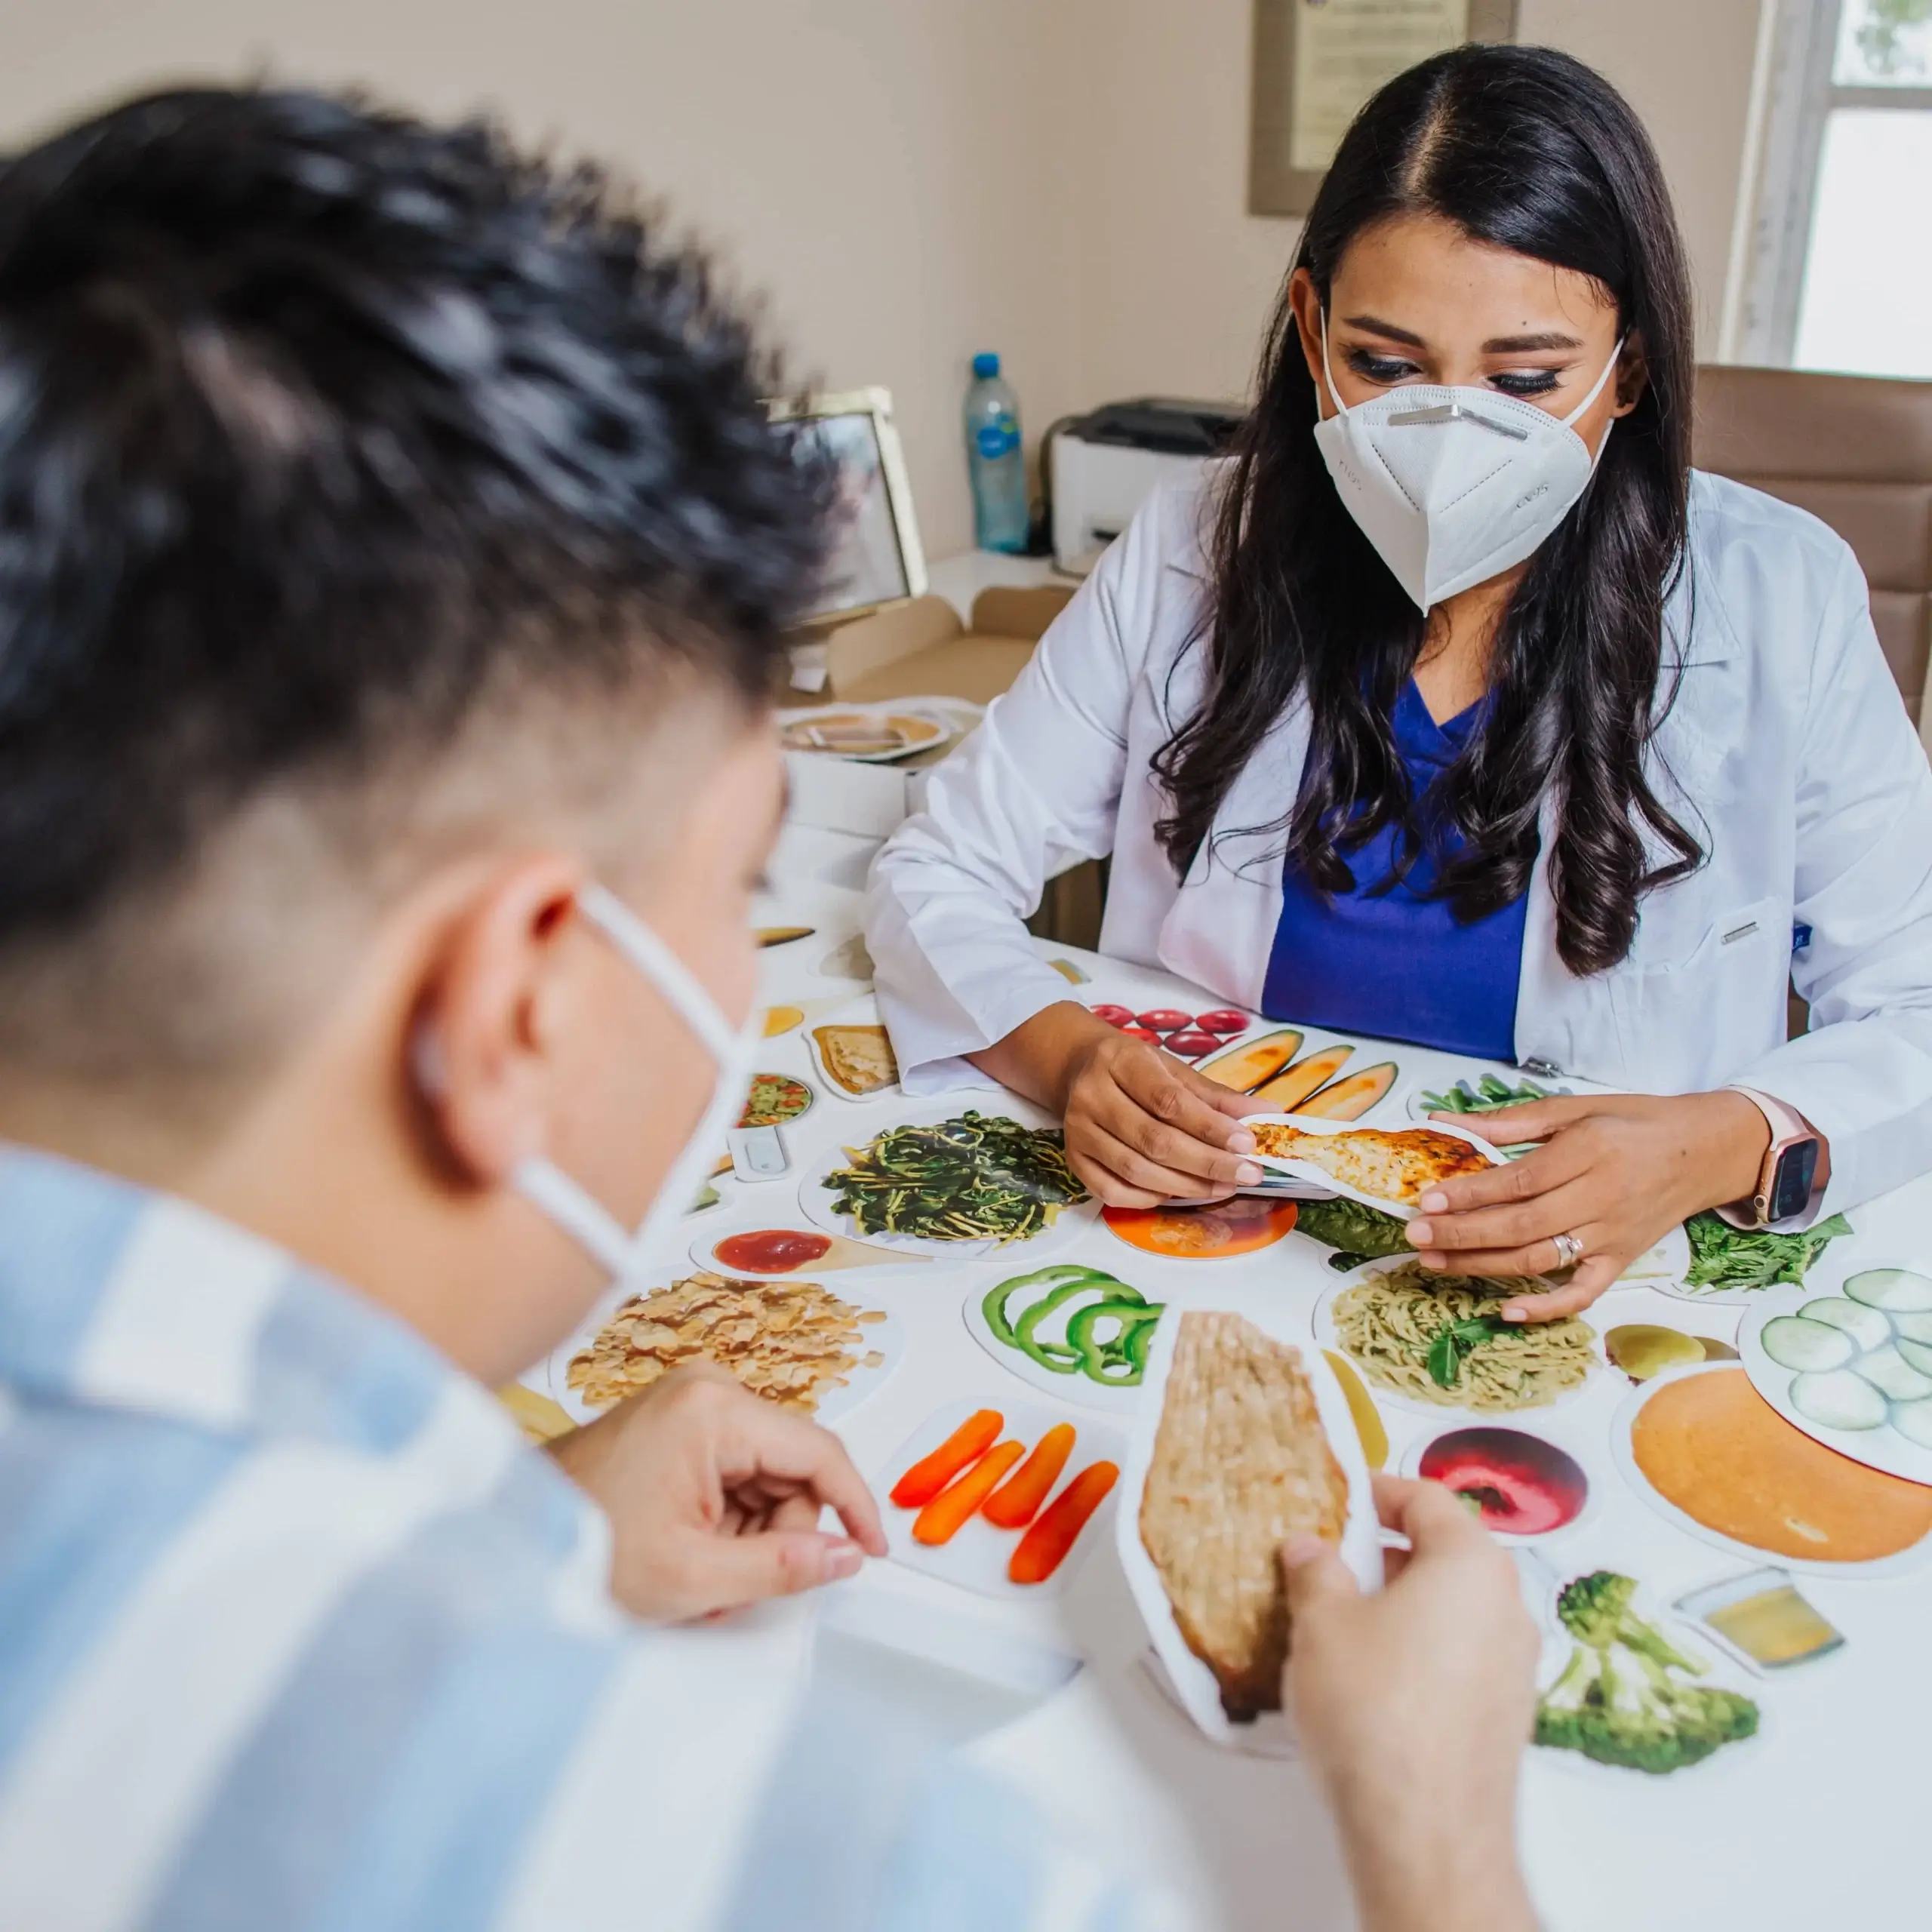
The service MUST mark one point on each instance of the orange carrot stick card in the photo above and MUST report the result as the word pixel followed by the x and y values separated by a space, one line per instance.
pixel 1018 1500
pixel 975 1484
pixel 1047 1544
pixel 953 1457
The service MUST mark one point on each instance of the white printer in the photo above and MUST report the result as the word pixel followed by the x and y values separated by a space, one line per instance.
pixel 1101 467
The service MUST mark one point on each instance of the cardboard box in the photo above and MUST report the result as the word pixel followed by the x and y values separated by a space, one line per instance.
pixel 921 648
pixel 918 649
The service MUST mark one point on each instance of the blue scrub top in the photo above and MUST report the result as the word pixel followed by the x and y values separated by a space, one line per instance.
pixel 1393 963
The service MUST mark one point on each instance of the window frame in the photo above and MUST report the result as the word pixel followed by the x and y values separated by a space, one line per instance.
pixel 1793 97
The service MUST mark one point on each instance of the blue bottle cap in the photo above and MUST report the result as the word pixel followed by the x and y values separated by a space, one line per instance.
pixel 986 364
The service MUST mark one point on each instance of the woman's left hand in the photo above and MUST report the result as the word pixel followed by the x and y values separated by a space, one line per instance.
pixel 1618 1170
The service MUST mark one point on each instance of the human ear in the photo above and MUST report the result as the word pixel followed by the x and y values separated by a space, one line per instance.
pixel 494 992
pixel 1306 300
pixel 1633 374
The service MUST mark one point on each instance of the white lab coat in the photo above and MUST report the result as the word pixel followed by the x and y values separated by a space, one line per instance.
pixel 1788 751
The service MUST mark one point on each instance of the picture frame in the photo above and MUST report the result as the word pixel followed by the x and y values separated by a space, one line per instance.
pixel 879 560
pixel 1301 105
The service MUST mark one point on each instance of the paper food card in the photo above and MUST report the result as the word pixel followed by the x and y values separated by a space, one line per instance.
pixel 1377 1142
pixel 977 1545
pixel 1194 1685
pixel 1698 1664
pixel 852 1053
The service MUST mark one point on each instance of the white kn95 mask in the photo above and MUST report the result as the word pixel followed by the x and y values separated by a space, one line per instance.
pixel 626 1252
pixel 1454 485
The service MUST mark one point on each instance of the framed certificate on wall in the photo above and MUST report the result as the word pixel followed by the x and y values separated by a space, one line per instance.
pixel 1317 61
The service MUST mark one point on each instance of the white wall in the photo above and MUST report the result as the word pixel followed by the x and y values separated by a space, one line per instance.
pixel 1686 66
pixel 1064 180
pixel 1175 280
pixel 872 164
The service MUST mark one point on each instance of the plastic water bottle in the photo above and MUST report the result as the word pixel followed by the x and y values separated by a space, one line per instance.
pixel 997 463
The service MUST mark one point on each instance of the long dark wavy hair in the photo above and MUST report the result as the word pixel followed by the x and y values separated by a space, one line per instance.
pixel 1527 149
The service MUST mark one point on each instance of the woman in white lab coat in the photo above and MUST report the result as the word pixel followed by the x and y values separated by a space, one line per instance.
pixel 1462 719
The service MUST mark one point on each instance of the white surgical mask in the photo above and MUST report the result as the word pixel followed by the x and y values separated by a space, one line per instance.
pixel 624 1251
pixel 1453 486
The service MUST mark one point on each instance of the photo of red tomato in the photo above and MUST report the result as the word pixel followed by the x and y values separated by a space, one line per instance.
pixel 1519 1484
pixel 1192 1044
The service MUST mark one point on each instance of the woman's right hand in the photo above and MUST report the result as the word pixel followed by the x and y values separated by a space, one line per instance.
pixel 1143 1128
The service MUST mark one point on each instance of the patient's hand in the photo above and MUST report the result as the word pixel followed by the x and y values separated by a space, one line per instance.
pixel 714 1497
pixel 1413 1706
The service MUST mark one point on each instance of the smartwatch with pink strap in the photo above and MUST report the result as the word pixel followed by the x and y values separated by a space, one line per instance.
pixel 1790 1167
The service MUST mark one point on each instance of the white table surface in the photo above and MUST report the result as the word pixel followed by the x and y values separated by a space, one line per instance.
pixel 1816 1826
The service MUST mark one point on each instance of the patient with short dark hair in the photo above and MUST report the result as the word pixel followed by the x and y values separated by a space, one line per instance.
pixel 396 556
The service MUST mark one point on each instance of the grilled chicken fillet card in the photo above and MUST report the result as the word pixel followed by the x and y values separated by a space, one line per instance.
pixel 1240 1463
pixel 1390 1168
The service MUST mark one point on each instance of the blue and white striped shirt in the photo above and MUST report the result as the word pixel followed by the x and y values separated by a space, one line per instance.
pixel 297 1632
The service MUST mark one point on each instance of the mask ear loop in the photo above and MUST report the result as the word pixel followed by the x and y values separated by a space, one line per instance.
pixel 574 1209
pixel 1328 375
pixel 1596 388
pixel 571 1206
pixel 662 967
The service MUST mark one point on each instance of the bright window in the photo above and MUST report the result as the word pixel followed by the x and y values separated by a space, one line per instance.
pixel 1837 272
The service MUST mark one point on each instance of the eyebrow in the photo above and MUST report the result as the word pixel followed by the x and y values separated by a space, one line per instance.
pixel 1497 345
pixel 1518 345
pixel 1375 326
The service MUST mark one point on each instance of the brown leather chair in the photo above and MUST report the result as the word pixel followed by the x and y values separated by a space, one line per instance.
pixel 1855 451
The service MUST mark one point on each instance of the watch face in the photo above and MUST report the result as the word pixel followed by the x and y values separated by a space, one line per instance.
pixel 1791 1187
